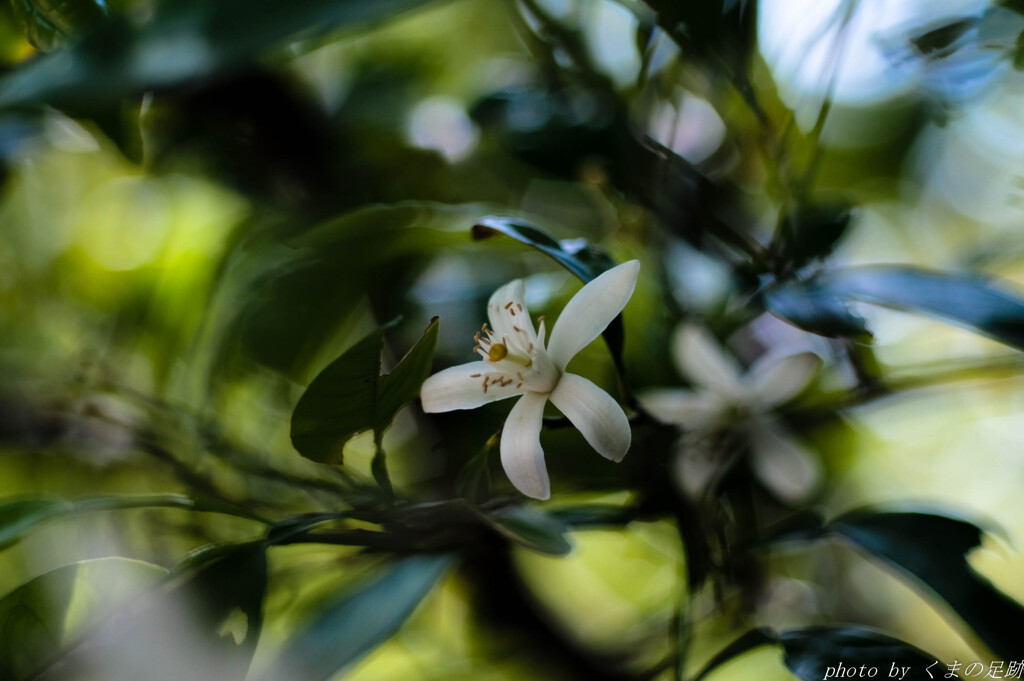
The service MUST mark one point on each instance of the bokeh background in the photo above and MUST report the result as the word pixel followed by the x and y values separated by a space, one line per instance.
pixel 178 263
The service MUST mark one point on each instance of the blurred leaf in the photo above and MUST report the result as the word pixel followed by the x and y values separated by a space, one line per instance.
pixel 967 299
pixel 536 530
pixel 49 24
pixel 361 620
pixel 719 31
pixel 808 308
pixel 272 318
pixel 19 517
pixel 184 41
pixel 576 255
pixel 47 613
pixel 351 395
pixel 595 515
pixel 257 130
pixel 202 624
pixel 816 653
pixel 555 127
pixel 958 57
pixel 813 231
pixel 934 550
pixel 809 653
pixel 473 481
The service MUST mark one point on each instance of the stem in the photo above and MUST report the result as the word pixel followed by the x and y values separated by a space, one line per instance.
pixel 379 468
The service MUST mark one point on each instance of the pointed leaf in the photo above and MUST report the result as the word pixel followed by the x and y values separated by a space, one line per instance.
pixel 933 549
pixel 576 255
pixel 350 395
pixel 536 530
pixel 965 299
pixel 359 621
pixel 19 517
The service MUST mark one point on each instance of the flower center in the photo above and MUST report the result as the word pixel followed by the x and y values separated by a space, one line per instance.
pixel 516 359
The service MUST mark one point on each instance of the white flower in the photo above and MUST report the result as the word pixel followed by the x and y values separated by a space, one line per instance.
pixel 727 400
pixel 515 362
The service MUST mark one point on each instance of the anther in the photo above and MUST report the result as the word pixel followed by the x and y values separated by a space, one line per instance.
pixel 508 305
pixel 519 306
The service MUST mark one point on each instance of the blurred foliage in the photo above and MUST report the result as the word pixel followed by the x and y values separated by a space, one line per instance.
pixel 238 236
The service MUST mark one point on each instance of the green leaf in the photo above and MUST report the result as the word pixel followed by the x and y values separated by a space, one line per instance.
pixel 351 396
pixel 473 482
pixel 965 299
pixel 39 618
pixel 185 41
pixel 202 623
pixel 20 516
pixel 576 255
pixel 811 310
pixel 536 530
pixel 933 549
pixel 812 653
pixel 358 622
pixel 813 231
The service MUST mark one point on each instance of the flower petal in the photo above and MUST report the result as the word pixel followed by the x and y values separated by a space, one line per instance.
pixel 521 454
pixel 591 310
pixel 774 380
pixel 461 387
pixel 593 411
pixel 691 410
pixel 782 464
pixel 506 310
pixel 699 356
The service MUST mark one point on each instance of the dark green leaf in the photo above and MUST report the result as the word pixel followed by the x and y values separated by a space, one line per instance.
pixel 278 324
pixel 23 515
pixel 19 517
pixel 812 653
pixel 933 549
pixel 202 624
pixel 183 42
pixel 351 396
pixel 473 481
pixel 813 231
pixel 536 530
pixel 594 516
pixel 48 24
pixel 961 298
pixel 42 616
pixel 576 255
pixel 806 307
pixel 358 622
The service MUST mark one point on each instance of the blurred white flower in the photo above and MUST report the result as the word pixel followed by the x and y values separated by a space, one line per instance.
pixel 516 362
pixel 727 400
